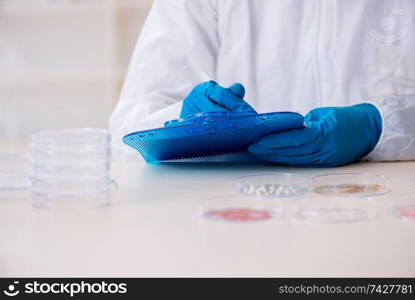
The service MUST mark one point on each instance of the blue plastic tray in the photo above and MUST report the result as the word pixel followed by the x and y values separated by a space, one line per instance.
pixel 210 137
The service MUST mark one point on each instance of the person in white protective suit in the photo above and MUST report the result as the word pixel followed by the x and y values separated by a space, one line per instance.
pixel 348 66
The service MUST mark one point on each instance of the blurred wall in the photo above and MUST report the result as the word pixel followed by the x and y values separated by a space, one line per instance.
pixel 62 62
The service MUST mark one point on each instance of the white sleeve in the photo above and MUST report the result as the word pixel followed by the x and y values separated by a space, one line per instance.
pixel 178 42
pixel 397 141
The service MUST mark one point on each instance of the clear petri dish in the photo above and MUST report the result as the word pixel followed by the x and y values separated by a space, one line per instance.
pixel 239 209
pixel 79 172
pixel 79 202
pixel 403 207
pixel 51 143
pixel 58 158
pixel 70 168
pixel 65 187
pixel 335 209
pixel 72 196
pixel 277 185
pixel 350 184
pixel 14 181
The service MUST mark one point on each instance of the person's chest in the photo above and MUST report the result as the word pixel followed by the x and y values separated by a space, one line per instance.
pixel 296 54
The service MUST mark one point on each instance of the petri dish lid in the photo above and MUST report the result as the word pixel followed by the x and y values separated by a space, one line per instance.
pixel 350 184
pixel 70 136
pixel 335 209
pixel 77 143
pixel 13 174
pixel 276 185
pixel 239 209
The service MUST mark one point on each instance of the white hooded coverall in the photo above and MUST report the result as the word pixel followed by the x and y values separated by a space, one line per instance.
pixel 291 55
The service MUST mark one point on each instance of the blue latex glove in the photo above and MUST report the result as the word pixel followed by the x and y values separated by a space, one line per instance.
pixel 333 136
pixel 211 97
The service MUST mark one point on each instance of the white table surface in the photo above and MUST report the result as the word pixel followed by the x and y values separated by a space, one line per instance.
pixel 152 228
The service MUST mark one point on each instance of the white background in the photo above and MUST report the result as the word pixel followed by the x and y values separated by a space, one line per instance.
pixel 62 62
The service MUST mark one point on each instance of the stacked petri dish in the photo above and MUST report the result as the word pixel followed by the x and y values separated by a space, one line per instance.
pixel 70 168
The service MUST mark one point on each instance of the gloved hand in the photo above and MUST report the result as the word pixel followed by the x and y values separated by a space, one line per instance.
pixel 211 97
pixel 333 136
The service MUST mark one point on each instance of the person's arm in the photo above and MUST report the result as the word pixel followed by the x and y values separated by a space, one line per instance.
pixel 179 41
pixel 332 136
pixel 397 141
pixel 381 130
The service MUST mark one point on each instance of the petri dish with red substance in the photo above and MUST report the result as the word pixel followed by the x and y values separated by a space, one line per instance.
pixel 403 207
pixel 239 214
pixel 239 209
